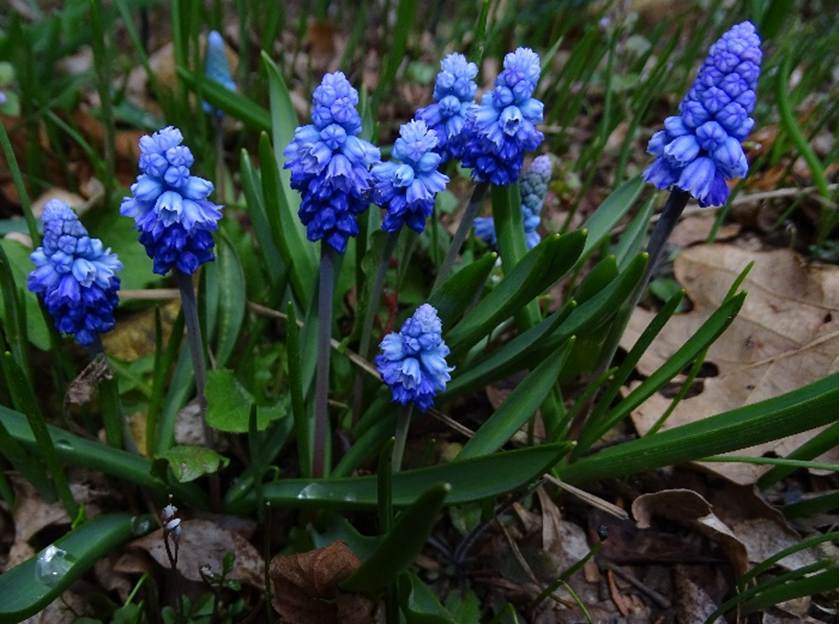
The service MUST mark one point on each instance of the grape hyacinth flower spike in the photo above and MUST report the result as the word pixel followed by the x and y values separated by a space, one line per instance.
pixel 498 132
pixel 176 219
pixel 75 276
pixel 533 188
pixel 701 148
pixel 216 67
pixel 330 167
pixel 454 95
pixel 413 364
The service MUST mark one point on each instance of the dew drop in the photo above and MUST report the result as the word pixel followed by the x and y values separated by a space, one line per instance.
pixel 312 491
pixel 140 525
pixel 63 444
pixel 52 564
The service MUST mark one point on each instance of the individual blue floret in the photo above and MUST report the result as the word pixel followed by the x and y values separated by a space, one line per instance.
pixel 454 95
pixel 170 206
pixel 330 164
pixel 75 276
pixel 701 147
pixel 407 185
pixel 503 127
pixel 412 361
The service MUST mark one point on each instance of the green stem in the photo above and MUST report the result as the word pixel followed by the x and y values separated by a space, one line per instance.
pixel 112 413
pixel 460 235
pixel 325 291
pixel 20 187
pixel 193 334
pixel 403 424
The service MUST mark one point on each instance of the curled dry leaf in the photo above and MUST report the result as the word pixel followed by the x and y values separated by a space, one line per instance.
pixel 204 543
pixel 786 336
pixel 305 587
pixel 82 389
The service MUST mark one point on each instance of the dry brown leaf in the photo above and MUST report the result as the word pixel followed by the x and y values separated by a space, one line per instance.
pixel 693 604
pixel 82 389
pixel 786 336
pixel 695 229
pixel 689 509
pixel 204 543
pixel 133 337
pixel 305 587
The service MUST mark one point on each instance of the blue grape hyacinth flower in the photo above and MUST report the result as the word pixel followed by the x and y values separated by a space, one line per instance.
pixel 701 147
pixel 412 361
pixel 454 95
pixel 170 206
pixel 503 127
pixel 534 188
pixel 216 67
pixel 407 186
pixel 330 164
pixel 75 276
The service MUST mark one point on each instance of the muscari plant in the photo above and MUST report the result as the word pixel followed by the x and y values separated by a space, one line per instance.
pixel 468 332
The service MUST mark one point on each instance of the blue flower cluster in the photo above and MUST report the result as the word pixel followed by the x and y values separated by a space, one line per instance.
pixel 503 127
pixel 534 188
pixel 170 206
pixel 700 148
pixel 75 276
pixel 330 164
pixel 406 186
pixel 216 67
pixel 412 361
pixel 454 93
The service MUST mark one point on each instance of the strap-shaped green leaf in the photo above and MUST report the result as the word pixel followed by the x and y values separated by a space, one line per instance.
pixel 231 301
pixel 29 587
pixel 809 407
pixel 401 544
pixel 231 102
pixel 540 268
pixel 519 407
pixel 270 255
pixel 609 213
pixel 468 480
pixel 454 296
pixel 420 604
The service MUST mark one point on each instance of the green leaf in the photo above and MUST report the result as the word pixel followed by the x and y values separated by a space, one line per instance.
pixel 632 240
pixel 809 407
pixel 468 480
pixel 231 102
pixel 231 297
pixel 533 345
pixel 420 604
pixel 229 404
pixel 297 253
pixel 405 12
pixel 539 269
pixel 29 587
pixel 710 330
pixel 190 462
pixel 610 212
pixel 401 544
pixel 519 407
pixel 20 264
pixel 271 258
pixel 597 279
pixel 454 296
pixel 464 606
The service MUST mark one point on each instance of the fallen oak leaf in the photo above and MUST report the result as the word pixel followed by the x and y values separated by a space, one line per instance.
pixel 305 587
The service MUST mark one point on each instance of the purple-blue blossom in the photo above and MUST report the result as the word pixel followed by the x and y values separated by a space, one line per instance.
pixel 503 127
pixel 330 164
pixel 412 361
pixel 75 276
pixel 170 206
pixel 533 188
pixel 701 147
pixel 407 185
pixel 216 67
pixel 454 95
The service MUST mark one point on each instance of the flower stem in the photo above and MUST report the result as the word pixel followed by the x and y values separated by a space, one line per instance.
pixel 325 290
pixel 193 335
pixel 676 202
pixel 369 316
pixel 460 235
pixel 403 423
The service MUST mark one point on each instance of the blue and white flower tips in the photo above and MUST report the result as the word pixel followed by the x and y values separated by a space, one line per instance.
pixel 503 127
pixel 75 276
pixel 407 186
pixel 534 188
pixel 216 67
pixel 700 148
pixel 170 206
pixel 412 361
pixel 454 93
pixel 330 164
